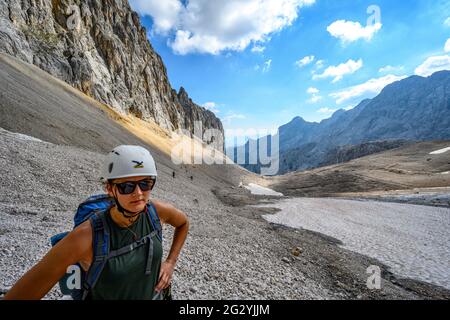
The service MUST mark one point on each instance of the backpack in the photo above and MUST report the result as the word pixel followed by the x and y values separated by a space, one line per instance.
pixel 76 282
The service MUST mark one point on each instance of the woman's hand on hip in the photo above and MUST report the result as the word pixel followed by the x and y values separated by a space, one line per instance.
pixel 165 275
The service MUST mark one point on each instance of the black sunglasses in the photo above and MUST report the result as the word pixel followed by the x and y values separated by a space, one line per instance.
pixel 128 187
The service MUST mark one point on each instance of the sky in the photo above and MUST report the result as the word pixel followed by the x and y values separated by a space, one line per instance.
pixel 257 64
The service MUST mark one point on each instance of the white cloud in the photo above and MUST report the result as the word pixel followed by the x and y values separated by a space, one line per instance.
pixel 338 72
pixel 232 116
pixel 205 26
pixel 319 64
pixel 305 61
pixel 447 46
pixel 265 66
pixel 432 65
pixel 312 90
pixel 315 97
pixel 349 31
pixel 165 13
pixel 326 110
pixel 350 107
pixel 447 22
pixel 388 69
pixel 258 49
pixel 211 106
pixel 368 89
pixel 186 42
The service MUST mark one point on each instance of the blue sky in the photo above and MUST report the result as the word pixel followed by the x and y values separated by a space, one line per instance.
pixel 259 63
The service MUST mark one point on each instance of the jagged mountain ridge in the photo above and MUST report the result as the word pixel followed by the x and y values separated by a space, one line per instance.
pixel 105 54
pixel 413 109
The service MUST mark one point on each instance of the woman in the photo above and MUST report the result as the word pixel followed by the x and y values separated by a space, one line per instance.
pixel 129 173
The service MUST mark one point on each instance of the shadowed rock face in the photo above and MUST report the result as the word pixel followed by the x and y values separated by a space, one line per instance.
pixel 101 48
pixel 347 153
pixel 193 113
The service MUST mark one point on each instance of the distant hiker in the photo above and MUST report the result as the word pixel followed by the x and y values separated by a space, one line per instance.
pixel 192 177
pixel 173 174
pixel 119 249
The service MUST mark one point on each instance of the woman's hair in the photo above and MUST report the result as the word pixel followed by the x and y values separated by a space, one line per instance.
pixel 106 184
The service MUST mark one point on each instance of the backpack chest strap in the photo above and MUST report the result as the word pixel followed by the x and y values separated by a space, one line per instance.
pixel 128 248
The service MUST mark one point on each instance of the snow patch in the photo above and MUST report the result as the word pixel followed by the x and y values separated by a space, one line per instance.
pixel 257 189
pixel 412 240
pixel 18 136
pixel 441 151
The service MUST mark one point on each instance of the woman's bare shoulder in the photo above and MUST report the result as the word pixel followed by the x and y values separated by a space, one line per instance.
pixel 163 209
pixel 168 213
pixel 83 230
pixel 80 238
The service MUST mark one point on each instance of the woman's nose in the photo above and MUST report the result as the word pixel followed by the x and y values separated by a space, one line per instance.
pixel 138 190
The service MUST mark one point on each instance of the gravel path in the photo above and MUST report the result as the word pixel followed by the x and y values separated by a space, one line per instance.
pixel 413 240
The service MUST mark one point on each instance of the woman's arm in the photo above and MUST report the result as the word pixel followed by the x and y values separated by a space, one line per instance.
pixel 179 220
pixel 40 279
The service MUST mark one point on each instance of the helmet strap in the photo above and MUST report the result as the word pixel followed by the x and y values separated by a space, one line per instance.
pixel 122 210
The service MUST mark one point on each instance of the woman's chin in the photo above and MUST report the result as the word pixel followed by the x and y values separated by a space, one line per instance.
pixel 137 206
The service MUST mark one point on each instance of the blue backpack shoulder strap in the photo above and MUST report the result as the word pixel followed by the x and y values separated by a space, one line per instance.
pixel 154 219
pixel 101 248
pixel 100 202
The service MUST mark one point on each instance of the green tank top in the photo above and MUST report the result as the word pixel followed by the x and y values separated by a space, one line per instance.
pixel 123 277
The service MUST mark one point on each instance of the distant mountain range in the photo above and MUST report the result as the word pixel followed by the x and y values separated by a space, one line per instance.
pixel 413 109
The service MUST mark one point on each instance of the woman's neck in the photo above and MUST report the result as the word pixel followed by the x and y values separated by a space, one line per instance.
pixel 120 219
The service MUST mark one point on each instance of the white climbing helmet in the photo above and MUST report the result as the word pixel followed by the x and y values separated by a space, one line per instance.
pixel 128 161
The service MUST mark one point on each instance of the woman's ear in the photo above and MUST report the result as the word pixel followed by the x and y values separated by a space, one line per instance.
pixel 108 188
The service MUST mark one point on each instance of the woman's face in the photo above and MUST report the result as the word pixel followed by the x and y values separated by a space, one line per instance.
pixel 134 201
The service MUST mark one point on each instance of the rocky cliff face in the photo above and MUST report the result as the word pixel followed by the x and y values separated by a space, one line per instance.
pixel 196 118
pixel 101 48
pixel 347 153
